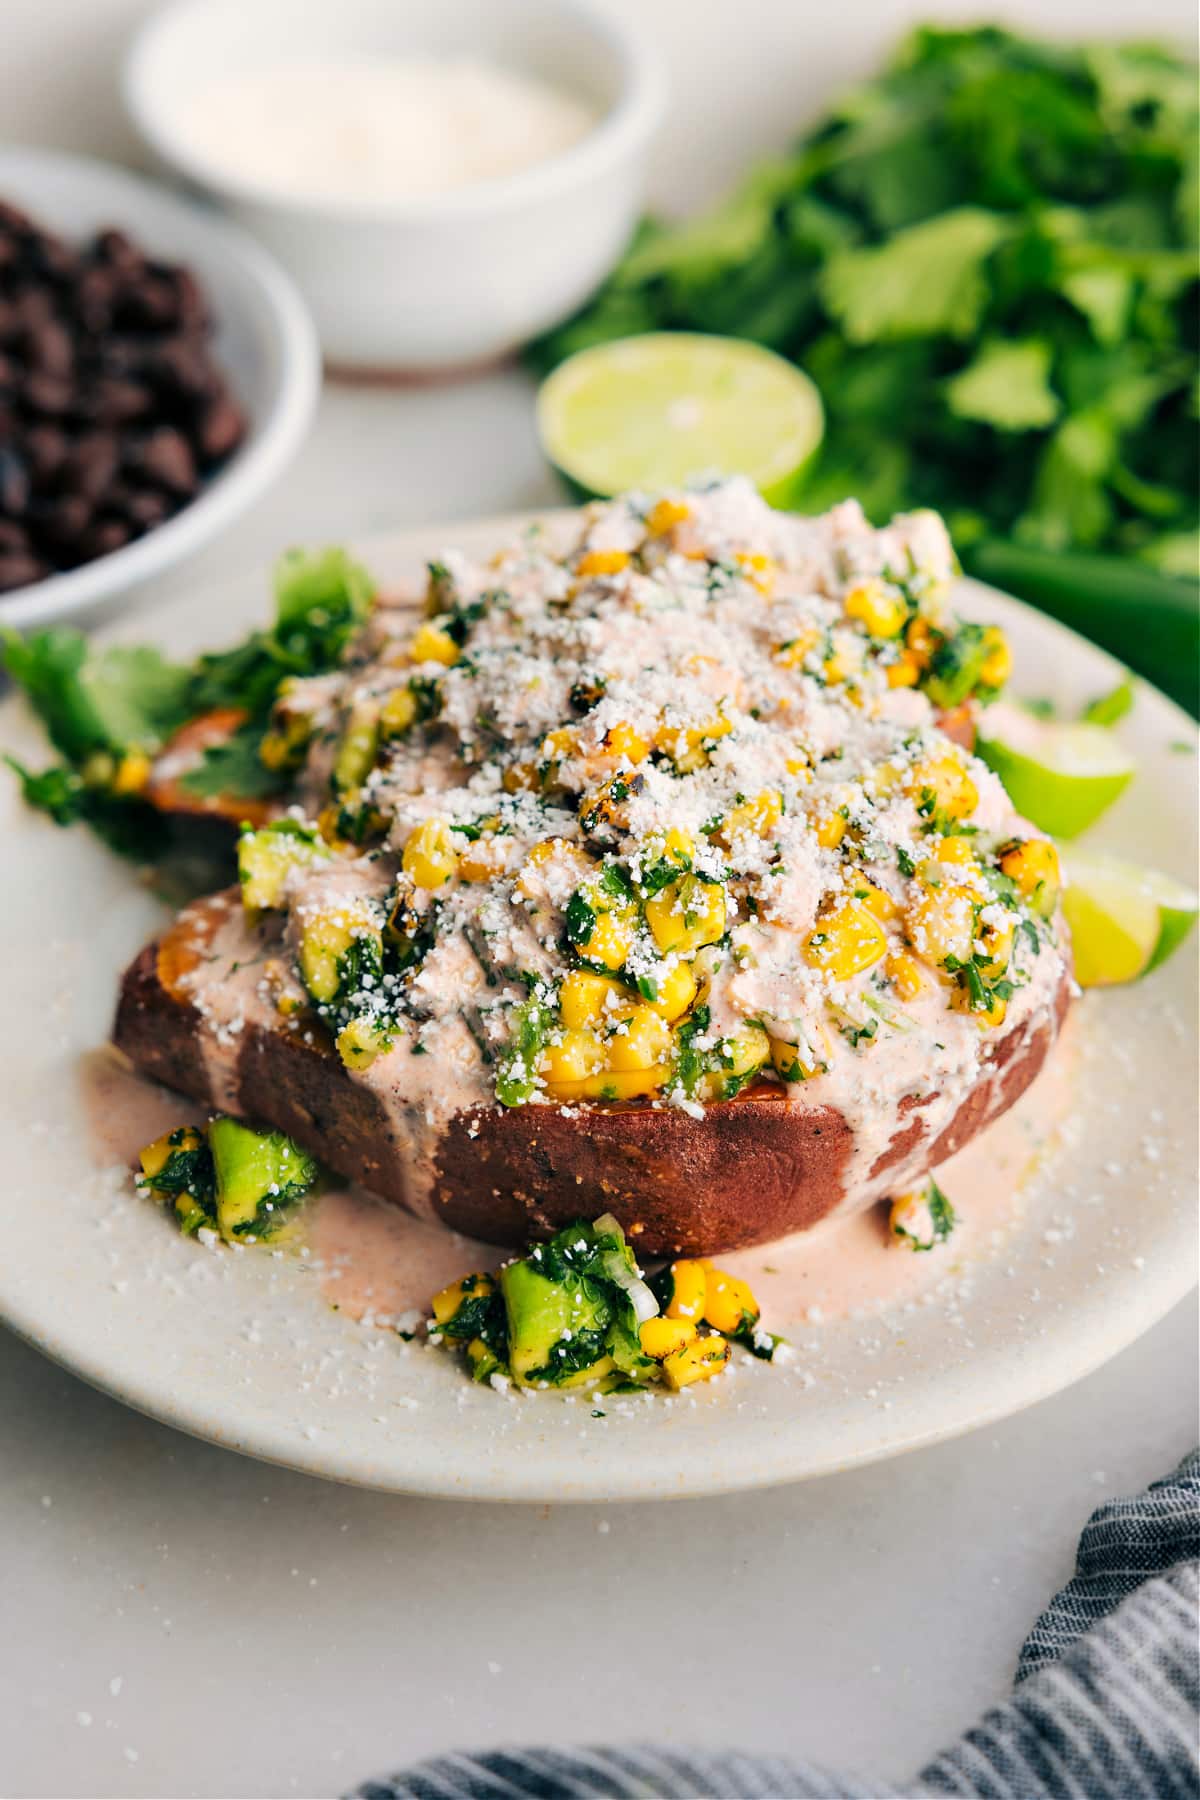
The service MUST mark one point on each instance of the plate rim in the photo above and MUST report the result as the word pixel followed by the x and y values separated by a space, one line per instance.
pixel 1076 1354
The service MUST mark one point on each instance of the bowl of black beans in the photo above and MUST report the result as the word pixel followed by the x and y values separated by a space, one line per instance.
pixel 157 371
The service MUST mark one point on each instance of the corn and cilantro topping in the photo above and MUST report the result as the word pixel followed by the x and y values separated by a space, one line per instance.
pixel 921 1220
pixel 659 815
pixel 227 1179
pixel 577 1312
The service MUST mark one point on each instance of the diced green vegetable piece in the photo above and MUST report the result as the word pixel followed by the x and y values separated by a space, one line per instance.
pixel 516 1077
pixel 259 1175
pixel 341 954
pixel 358 748
pixel 266 858
pixel 556 1329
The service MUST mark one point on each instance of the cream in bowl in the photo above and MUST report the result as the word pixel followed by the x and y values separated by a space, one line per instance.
pixel 443 182
pixel 358 133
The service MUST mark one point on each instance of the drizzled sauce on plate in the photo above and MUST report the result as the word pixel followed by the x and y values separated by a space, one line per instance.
pixel 376 1261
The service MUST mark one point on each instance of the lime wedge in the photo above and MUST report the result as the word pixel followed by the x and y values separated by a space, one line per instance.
pixel 654 412
pixel 1062 777
pixel 1124 920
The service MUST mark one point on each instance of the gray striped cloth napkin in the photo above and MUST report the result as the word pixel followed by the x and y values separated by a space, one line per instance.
pixel 1104 1706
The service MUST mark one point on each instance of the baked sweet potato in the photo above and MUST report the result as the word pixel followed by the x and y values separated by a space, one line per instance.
pixel 763 1164
pixel 182 755
pixel 648 873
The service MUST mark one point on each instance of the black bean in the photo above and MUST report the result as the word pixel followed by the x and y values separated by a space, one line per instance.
pixel 45 450
pixel 34 306
pixel 116 402
pixel 181 366
pixel 14 483
pixel 143 507
pixel 94 293
pixel 119 251
pixel 59 522
pixel 19 569
pixel 92 465
pixel 166 459
pixel 102 537
pixel 110 402
pixel 220 429
pixel 49 348
pixel 51 395
pixel 147 303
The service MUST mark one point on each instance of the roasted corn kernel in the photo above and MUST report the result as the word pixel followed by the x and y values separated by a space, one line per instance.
pixel 794 652
pixel 742 1053
pixel 904 973
pixel 997 663
pixel 665 1337
pixel 624 741
pixel 445 1305
pixel 997 942
pixel 688 746
pixel 697 1361
pixel 686 914
pixel 640 1040
pixel 361 1041
pixel 905 672
pixel 484 859
pixel 941 786
pixel 155 1157
pixel 664 515
pixel 688 1291
pixel 601 562
pixel 431 644
pixel 831 830
pixel 729 1304
pixel 584 998
pixel 753 818
pixel 941 924
pixel 677 988
pixel 430 859
pixel 788 1062
pixel 577 1054
pixel 877 606
pixel 986 1017
pixel 846 940
pixel 132 773
pixel 398 713
pixel 877 900
pixel 758 569
pixel 1033 865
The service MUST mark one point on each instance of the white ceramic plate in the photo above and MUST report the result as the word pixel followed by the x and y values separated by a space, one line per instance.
pixel 238 1347
pixel 264 341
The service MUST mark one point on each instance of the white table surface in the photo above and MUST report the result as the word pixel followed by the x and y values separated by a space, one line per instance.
pixel 177 1621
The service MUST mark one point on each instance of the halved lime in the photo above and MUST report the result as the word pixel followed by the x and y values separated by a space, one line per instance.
pixel 1062 777
pixel 1124 920
pixel 657 411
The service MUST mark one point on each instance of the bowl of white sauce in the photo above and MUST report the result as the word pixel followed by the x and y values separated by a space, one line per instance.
pixel 443 178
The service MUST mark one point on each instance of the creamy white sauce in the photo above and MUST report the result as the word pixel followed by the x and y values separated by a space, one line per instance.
pixel 388 129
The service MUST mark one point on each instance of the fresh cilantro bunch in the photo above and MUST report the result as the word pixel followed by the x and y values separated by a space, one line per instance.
pixel 986 259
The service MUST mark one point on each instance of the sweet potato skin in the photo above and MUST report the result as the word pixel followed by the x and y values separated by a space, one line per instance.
pixel 754 1168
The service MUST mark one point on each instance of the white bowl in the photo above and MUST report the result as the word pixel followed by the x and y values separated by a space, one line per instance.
pixel 264 341
pixel 445 280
